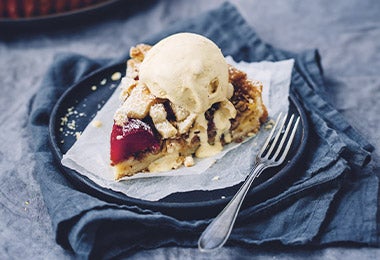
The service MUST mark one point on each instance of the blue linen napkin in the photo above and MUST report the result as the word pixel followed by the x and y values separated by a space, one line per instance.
pixel 333 200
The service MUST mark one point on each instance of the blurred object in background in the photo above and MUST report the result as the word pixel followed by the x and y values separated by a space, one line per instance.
pixel 21 9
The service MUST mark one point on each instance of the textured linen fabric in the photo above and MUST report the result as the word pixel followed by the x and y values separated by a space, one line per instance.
pixel 346 33
pixel 331 201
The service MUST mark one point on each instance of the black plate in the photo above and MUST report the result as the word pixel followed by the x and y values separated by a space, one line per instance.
pixel 82 101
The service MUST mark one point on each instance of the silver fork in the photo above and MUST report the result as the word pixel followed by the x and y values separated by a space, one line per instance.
pixel 272 154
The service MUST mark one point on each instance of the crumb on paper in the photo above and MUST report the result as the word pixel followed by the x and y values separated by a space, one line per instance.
pixel 97 123
pixel 27 202
pixel 216 178
pixel 251 134
pixel 77 135
pixel 189 161
pixel 269 125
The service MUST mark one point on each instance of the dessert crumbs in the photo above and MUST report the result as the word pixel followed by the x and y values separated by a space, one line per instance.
pixel 269 125
pixel 251 134
pixel 77 135
pixel 69 123
pixel 216 178
pixel 97 123
pixel 103 81
pixel 116 76
pixel 64 120
pixel 189 161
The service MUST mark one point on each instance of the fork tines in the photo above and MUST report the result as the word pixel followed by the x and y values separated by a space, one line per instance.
pixel 278 143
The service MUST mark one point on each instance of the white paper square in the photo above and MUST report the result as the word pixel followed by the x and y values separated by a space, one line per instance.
pixel 90 154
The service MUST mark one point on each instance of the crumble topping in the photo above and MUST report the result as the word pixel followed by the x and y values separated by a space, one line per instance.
pixel 201 135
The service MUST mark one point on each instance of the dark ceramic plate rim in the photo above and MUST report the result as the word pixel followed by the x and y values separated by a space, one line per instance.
pixel 88 186
pixel 48 17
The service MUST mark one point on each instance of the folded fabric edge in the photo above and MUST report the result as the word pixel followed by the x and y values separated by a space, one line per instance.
pixel 309 64
pixel 67 226
pixel 81 224
pixel 366 219
pixel 116 227
pixel 321 109
pixel 300 228
pixel 334 172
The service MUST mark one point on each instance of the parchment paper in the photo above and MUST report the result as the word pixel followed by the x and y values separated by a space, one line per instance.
pixel 90 154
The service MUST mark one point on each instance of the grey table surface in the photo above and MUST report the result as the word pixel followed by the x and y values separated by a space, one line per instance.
pixel 347 34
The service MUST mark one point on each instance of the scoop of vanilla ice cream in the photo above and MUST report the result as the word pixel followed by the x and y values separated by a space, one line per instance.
pixel 189 70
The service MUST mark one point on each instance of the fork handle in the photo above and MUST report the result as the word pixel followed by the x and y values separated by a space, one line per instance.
pixel 218 231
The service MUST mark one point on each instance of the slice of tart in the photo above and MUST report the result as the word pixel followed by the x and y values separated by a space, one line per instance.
pixel 180 100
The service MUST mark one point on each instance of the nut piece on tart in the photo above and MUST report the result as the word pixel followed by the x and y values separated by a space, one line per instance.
pixel 181 99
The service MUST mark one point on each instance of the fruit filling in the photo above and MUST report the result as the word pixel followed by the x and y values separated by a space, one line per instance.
pixel 133 137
